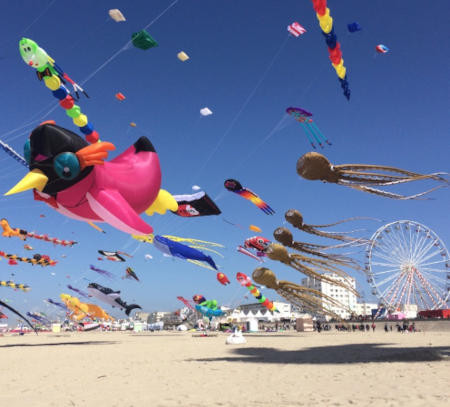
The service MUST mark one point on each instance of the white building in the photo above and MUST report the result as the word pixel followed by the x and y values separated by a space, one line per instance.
pixel 157 316
pixel 365 308
pixel 338 293
pixel 258 311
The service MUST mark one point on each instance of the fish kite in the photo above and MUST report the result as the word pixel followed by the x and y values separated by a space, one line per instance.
pixel 110 297
pixel 23 234
pixel 236 187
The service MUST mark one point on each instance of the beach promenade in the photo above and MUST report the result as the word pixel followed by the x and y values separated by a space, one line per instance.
pixel 176 369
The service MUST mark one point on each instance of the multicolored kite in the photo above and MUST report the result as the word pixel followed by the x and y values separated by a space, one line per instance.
pixel 245 281
pixel 236 187
pixel 334 48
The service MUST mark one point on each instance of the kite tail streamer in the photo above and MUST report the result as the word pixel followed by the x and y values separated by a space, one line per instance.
pixel 317 130
pixel 305 128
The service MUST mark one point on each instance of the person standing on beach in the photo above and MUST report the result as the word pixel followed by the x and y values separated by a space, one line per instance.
pixel 386 327
pixel 373 326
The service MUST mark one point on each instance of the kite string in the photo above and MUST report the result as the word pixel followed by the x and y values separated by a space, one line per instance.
pixel 127 44
pixel 244 105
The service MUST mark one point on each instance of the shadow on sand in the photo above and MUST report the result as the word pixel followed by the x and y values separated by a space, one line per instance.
pixel 19 345
pixel 358 353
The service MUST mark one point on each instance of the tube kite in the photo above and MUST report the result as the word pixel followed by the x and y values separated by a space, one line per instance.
pixel 334 48
pixel 55 79
pixel 23 287
pixel 245 281
pixel 236 187
pixel 23 234
pixel 41 260
pixel 102 272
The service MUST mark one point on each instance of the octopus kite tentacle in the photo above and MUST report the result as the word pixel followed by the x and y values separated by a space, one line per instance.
pixel 295 218
pixel 304 297
pixel 285 237
pixel 279 253
pixel 315 166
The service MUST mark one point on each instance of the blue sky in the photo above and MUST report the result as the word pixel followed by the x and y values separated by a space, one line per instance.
pixel 247 70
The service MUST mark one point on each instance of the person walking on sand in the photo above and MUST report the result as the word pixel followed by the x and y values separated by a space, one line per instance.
pixel 386 327
pixel 373 326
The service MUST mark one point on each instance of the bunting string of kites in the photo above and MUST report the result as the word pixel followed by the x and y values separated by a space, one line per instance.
pixel 55 79
pixel 36 259
pixel 245 281
pixel 25 288
pixel 334 47
pixel 8 231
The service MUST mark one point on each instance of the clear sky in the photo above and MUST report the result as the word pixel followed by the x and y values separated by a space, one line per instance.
pixel 247 70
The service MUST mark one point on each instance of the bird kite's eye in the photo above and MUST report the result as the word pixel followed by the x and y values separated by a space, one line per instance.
pixel 27 151
pixel 67 166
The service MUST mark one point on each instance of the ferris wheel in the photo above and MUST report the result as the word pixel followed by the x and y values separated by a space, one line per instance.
pixel 407 263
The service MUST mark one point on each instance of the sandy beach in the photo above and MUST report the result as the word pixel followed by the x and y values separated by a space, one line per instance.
pixel 176 369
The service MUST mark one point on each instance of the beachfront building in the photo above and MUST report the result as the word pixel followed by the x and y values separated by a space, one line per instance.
pixel 157 316
pixel 365 309
pixel 287 312
pixel 343 295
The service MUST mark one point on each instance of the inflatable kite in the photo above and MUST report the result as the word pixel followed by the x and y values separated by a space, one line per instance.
pixel 309 266
pixel 208 308
pixel 182 251
pixel 71 177
pixel 27 247
pixel 245 281
pixel 41 260
pixel 2 304
pixel 23 287
pixel 222 279
pixel 310 128
pixel 236 187
pixel 182 56
pixel 285 237
pixel 306 298
pixel 120 96
pixel 129 273
pixel 315 166
pixel 102 272
pixel 206 111
pixel 143 40
pixel 80 310
pixel 39 317
pixel 55 79
pixel 198 204
pixel 254 228
pixel 334 48
pixel 257 243
pixel 23 234
pixel 110 297
pixel 3 316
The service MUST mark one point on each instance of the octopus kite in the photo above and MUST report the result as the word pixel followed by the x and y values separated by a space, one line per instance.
pixel 304 297
pixel 295 218
pixel 236 187
pixel 314 166
pixel 313 268
pixel 309 127
pixel 285 237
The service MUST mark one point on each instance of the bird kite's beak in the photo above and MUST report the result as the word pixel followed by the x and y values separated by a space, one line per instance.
pixel 34 179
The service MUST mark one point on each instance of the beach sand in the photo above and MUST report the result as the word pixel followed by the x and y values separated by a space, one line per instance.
pixel 176 369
